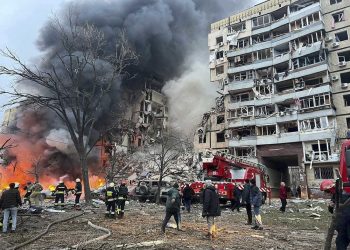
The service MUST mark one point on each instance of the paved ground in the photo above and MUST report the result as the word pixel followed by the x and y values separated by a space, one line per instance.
pixel 292 230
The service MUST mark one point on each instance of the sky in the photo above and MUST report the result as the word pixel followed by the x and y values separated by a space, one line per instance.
pixel 20 22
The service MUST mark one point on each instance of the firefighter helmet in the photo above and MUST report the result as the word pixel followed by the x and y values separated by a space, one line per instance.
pixel 111 184
pixel 16 185
pixel 77 180
pixel 60 182
pixel 326 185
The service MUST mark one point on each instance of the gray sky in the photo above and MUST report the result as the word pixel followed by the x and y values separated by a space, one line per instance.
pixel 20 22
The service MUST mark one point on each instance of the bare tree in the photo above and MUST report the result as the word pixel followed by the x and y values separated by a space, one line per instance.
pixel 36 169
pixel 164 153
pixel 74 82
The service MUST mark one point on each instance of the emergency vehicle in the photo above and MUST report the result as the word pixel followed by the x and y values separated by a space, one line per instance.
pixel 226 171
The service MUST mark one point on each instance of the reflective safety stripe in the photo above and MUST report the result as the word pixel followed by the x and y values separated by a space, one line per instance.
pixel 109 193
pixel 60 192
pixel 78 192
pixel 59 204
pixel 111 200
pixel 121 198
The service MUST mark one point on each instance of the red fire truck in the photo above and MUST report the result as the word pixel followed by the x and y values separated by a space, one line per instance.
pixel 226 171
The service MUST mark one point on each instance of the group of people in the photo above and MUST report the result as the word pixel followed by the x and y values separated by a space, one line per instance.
pixel 251 199
pixel 116 197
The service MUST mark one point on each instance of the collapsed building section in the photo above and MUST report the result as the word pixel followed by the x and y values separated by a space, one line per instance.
pixel 284 71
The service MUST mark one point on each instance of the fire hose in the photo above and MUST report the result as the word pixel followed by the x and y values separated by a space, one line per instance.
pixel 45 232
pixel 108 233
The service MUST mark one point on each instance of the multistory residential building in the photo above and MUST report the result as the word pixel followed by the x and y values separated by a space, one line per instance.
pixel 284 68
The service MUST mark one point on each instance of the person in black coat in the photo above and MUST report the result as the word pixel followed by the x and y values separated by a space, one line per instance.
pixel 188 194
pixel 122 197
pixel 211 205
pixel 9 202
pixel 246 201
pixel 236 202
pixel 110 198
pixel 60 191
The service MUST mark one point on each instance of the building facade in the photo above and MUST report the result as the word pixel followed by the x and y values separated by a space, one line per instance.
pixel 284 68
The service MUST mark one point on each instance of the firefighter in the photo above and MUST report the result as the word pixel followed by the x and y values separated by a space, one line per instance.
pixel 36 193
pixel 60 191
pixel 28 188
pixel 122 196
pixel 111 195
pixel 77 191
pixel 343 215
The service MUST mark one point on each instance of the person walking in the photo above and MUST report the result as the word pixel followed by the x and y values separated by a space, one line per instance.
pixel 110 196
pixel 77 191
pixel 122 197
pixel 211 206
pixel 60 191
pixel 188 194
pixel 246 201
pixel 283 196
pixel 9 202
pixel 256 202
pixel 172 207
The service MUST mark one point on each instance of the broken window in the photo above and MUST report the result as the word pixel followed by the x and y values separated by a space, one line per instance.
pixel 308 60
pixel 261 20
pixel 264 74
pixel 261 38
pixel 314 123
pixel 220 137
pixel 313 81
pixel 262 54
pixel 323 173
pixel 246 111
pixel 244 152
pixel 242 43
pixel 346 100
pixel 263 90
pixel 341 36
pixel 305 21
pixel 280 31
pixel 285 86
pixel 244 75
pixel 335 1
pixel 220 119
pixel 264 111
pixel 219 54
pixel 279 14
pixel 236 27
pixel 344 56
pixel 315 101
pixel 202 138
pixel 242 97
pixel 242 60
pixel 320 151
pixel 288 127
pixel 243 132
pixel 338 17
pixel 219 40
pixel 219 70
pixel 348 122
pixel 266 130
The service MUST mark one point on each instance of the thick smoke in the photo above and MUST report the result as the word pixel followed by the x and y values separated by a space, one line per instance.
pixel 171 38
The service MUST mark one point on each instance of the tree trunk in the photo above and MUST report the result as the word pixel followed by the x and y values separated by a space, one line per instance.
pixel 158 188
pixel 85 173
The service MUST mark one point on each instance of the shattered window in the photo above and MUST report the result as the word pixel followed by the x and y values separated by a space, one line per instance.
pixel 220 119
pixel 348 122
pixel 219 70
pixel 335 1
pixel 323 173
pixel 338 17
pixel 219 39
pixel 341 36
pixel 346 100
pixel 202 138
pixel 220 137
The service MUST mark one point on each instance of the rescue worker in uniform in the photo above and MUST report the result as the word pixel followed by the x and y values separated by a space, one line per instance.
pixel 111 195
pixel 28 188
pixel 60 191
pixel 36 196
pixel 122 196
pixel 343 215
pixel 77 191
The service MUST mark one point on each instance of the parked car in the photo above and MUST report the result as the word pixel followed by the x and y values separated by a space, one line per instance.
pixel 147 190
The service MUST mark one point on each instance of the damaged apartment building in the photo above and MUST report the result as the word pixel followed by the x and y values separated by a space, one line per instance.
pixel 284 68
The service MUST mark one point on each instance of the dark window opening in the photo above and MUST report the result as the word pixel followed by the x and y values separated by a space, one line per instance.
pixel 219 70
pixel 219 39
pixel 346 100
pixel 348 122
pixel 236 27
pixel 345 77
pixel 312 82
pixel 324 173
pixel 341 36
pixel 220 137
pixel 220 119
pixel 335 1
pixel 344 56
pixel 338 17
pixel 202 138
pixel 219 54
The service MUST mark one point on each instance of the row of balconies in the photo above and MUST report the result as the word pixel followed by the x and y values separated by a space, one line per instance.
pixel 282 138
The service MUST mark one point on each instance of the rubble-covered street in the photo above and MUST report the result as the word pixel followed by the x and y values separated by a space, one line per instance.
pixel 292 230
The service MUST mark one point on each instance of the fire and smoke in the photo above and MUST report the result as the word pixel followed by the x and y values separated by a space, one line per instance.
pixel 167 35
